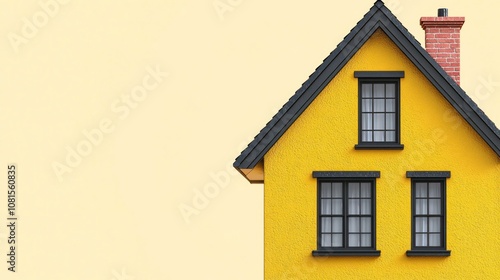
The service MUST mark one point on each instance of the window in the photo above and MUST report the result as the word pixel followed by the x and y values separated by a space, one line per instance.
pixel 346 213
pixel 379 110
pixel 428 196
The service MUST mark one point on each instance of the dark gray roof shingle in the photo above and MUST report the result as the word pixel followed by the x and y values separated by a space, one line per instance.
pixel 379 16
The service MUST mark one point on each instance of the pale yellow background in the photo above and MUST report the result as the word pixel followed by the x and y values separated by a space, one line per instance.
pixel 116 215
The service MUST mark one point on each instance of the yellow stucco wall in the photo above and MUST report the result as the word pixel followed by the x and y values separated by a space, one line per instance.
pixel 435 138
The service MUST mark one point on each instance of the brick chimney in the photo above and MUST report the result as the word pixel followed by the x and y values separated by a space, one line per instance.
pixel 442 41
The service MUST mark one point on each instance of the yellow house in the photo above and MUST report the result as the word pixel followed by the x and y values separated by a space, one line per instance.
pixel 380 166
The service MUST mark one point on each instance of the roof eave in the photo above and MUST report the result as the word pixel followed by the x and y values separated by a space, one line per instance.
pixel 377 17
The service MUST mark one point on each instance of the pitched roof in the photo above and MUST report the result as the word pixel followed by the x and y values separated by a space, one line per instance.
pixel 379 16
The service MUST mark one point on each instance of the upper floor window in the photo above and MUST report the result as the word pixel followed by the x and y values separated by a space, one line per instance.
pixel 379 110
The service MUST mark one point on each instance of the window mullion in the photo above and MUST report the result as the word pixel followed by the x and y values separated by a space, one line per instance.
pixel 373 113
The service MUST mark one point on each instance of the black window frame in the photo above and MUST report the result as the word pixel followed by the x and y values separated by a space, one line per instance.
pixel 380 77
pixel 346 177
pixel 429 177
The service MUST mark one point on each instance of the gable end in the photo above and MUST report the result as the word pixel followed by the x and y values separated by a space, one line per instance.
pixel 378 17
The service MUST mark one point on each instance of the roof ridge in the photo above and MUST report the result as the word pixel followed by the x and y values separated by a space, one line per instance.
pixel 379 16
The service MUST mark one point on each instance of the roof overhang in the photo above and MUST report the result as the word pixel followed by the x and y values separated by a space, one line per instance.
pixel 254 175
pixel 379 17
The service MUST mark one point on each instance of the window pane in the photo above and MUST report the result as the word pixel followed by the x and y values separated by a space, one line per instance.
pixel 421 206
pixel 326 240
pixel 390 136
pixel 378 136
pixel 337 206
pixel 420 239
pixel 434 240
pixel 366 205
pixel 421 189
pixel 435 224
pixel 353 206
pixel 434 189
pixel 366 105
pixel 366 190
pixel 354 224
pixel 379 90
pixel 367 136
pixel 353 189
pixel 326 190
pixel 366 240
pixel 337 189
pixel 390 90
pixel 366 225
pixel 379 121
pixel 337 225
pixel 390 121
pixel 434 206
pixel 326 206
pixel 326 225
pixel 337 240
pixel 366 90
pixel 379 105
pixel 366 122
pixel 420 224
pixel 390 105
pixel 354 240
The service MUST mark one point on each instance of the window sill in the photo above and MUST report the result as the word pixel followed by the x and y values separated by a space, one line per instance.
pixel 327 253
pixel 428 253
pixel 381 146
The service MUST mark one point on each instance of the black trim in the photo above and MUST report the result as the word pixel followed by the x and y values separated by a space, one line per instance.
pixel 379 74
pixel 345 250
pixel 379 17
pixel 330 253
pixel 428 253
pixel 428 174
pixel 431 250
pixel 346 174
pixel 379 146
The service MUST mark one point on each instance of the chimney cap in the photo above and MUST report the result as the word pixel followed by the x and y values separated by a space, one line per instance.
pixel 442 12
